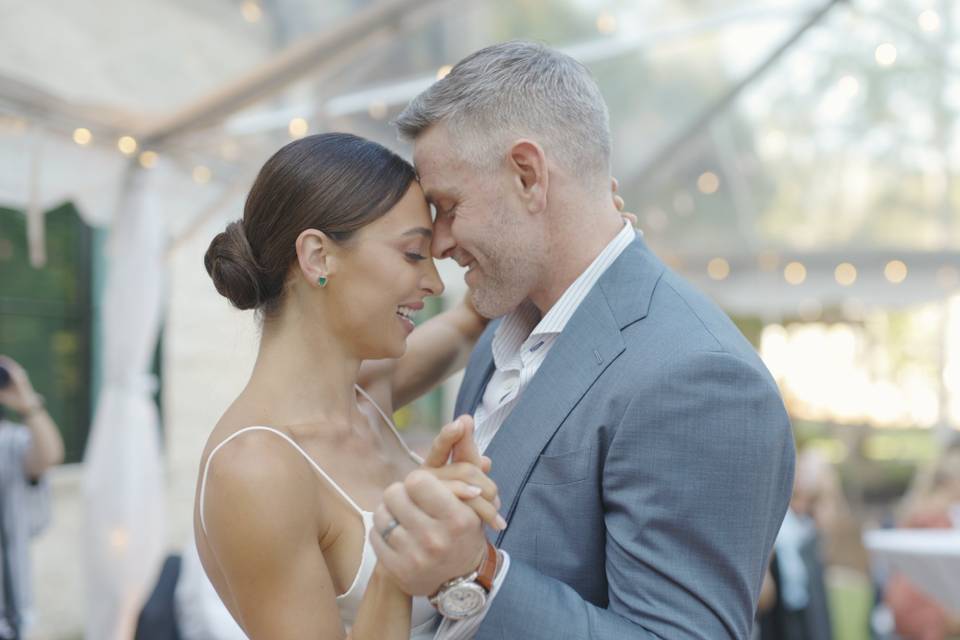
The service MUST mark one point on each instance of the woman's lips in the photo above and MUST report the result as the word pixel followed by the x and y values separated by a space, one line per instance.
pixel 407 323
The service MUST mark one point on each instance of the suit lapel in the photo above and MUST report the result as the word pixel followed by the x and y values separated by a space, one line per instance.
pixel 588 344
pixel 478 372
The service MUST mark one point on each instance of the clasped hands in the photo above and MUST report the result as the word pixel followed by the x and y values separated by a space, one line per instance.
pixel 429 528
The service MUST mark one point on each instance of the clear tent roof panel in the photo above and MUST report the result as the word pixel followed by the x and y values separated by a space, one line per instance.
pixel 656 68
pixel 833 145
pixel 848 141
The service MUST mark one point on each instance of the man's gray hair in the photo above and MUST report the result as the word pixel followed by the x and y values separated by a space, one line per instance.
pixel 518 89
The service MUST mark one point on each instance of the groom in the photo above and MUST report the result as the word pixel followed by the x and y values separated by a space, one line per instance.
pixel 642 452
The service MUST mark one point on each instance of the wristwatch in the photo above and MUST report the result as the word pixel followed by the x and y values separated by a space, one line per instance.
pixel 467 595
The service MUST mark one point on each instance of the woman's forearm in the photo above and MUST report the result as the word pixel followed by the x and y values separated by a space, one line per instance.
pixel 384 612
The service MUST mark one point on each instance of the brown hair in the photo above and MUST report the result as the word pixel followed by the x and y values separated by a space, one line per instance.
pixel 333 182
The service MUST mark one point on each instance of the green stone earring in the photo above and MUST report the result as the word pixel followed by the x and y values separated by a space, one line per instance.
pixel 322 281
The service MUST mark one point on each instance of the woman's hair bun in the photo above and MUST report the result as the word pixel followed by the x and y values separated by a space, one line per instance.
pixel 334 182
pixel 232 266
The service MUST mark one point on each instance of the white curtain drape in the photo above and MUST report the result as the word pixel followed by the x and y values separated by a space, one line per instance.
pixel 124 539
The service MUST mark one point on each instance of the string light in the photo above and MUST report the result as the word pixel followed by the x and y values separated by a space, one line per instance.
pixel 119 539
pixel 148 159
pixel 127 145
pixel 201 174
pixel 606 22
pixel 929 20
pixel 251 11
pixel 885 54
pixel 708 182
pixel 718 269
pixel 82 136
pixel 845 274
pixel 895 271
pixel 298 128
pixel 795 273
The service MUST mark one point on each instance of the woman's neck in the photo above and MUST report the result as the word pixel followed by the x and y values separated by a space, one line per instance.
pixel 303 374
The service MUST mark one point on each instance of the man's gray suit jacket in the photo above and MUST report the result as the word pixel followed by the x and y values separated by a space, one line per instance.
pixel 644 472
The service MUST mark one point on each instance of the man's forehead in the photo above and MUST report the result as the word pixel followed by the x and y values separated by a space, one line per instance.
pixel 438 168
pixel 431 180
pixel 431 147
pixel 437 193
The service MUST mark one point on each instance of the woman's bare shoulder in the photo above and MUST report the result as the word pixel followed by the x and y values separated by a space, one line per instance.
pixel 254 472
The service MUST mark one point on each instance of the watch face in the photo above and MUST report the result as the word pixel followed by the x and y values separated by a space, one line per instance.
pixel 462 600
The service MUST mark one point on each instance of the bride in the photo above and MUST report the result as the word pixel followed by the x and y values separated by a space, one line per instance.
pixel 333 253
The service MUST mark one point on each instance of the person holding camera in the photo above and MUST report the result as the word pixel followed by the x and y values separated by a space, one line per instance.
pixel 27 449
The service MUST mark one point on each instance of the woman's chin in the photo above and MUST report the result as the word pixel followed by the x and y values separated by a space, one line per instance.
pixel 399 349
pixel 396 348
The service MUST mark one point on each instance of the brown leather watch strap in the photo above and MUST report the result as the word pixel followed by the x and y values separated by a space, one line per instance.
pixel 488 568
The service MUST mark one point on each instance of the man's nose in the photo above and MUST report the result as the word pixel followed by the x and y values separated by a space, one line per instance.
pixel 432 281
pixel 443 243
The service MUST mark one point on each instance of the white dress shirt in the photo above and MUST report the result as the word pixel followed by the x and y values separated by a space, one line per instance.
pixel 520 345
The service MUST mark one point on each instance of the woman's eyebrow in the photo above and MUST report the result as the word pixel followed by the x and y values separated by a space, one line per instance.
pixel 419 231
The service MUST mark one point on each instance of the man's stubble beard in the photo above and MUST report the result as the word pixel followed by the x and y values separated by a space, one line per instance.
pixel 503 290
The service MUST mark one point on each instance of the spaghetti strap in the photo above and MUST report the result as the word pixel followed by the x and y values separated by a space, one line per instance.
pixel 390 424
pixel 206 469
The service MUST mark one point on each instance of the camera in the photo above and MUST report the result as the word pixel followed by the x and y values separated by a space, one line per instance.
pixel 4 377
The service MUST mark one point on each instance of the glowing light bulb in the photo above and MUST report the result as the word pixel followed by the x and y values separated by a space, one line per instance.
pixel 845 274
pixel 82 136
pixel 885 54
pixel 718 269
pixel 298 128
pixel 795 273
pixel 127 145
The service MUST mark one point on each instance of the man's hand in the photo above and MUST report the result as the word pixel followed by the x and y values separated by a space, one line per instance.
pixel 456 440
pixel 439 536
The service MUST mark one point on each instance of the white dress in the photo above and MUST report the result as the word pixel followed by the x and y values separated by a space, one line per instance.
pixel 424 618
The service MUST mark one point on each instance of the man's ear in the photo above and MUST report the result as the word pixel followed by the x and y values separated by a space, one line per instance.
pixel 528 163
pixel 314 250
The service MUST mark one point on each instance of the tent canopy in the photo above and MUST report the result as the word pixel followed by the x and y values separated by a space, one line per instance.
pixel 740 128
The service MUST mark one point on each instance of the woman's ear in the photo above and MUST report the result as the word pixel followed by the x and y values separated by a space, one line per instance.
pixel 313 256
pixel 528 162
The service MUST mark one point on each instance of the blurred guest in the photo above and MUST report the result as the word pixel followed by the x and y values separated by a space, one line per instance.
pixel 766 604
pixel 201 615
pixel 27 450
pixel 932 503
pixel 796 604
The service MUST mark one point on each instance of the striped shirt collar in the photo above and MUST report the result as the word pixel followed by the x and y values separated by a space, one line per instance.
pixel 524 324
